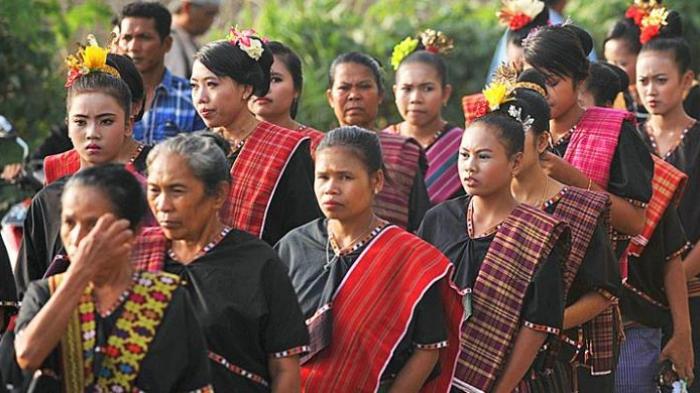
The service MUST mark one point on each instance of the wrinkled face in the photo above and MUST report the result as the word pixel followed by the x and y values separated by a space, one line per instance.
pixel 618 52
pixel 354 96
pixel 81 207
pixel 98 127
pixel 278 101
pixel 419 93
pixel 219 100
pixel 660 85
pixel 484 166
pixel 344 189
pixel 178 199
pixel 139 40
pixel 201 18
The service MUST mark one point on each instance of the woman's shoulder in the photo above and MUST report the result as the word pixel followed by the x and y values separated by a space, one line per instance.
pixel 452 209
pixel 312 232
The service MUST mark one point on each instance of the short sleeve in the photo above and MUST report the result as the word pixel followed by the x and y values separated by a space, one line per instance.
pixel 544 300
pixel 430 330
pixel 675 239
pixel 599 269
pixel 35 298
pixel 632 168
pixel 284 333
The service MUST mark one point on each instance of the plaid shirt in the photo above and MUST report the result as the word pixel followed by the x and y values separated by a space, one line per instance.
pixel 171 112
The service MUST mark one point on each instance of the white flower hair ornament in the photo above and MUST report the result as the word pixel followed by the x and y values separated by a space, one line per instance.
pixel 248 41
pixel 517 114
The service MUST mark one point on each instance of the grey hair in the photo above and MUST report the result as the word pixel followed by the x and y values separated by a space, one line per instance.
pixel 205 153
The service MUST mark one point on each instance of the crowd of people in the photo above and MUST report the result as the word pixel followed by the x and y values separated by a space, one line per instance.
pixel 196 237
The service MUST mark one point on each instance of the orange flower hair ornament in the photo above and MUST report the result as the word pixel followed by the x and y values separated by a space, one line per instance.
pixel 249 41
pixel 89 58
pixel 516 14
pixel 638 10
pixel 652 24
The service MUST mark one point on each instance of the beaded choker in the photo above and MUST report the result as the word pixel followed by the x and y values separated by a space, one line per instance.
pixel 355 244
pixel 470 224
pixel 219 237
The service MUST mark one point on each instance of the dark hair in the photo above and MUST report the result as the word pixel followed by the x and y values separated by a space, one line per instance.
pixel 625 30
pixel 131 76
pixel 149 10
pixel 509 131
pixel 532 102
pixel 223 58
pixel 117 184
pixel 292 63
pixel 670 40
pixel 431 59
pixel 358 58
pixel 361 142
pixel 103 83
pixel 560 50
pixel 516 37
pixel 605 83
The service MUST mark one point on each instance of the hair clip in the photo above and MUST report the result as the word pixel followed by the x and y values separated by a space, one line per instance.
pixel 431 40
pixel 248 41
pixel 89 58
pixel 532 86
pixel 516 14
pixel 517 113
pixel 652 24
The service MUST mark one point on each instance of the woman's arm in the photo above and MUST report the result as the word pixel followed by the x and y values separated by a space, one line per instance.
pixel 527 344
pixel 691 264
pixel 679 348
pixel 285 373
pixel 414 373
pixel 584 309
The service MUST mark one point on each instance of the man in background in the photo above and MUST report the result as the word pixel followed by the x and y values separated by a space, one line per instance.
pixel 191 19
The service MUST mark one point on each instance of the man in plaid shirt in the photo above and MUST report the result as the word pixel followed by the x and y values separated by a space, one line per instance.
pixel 145 37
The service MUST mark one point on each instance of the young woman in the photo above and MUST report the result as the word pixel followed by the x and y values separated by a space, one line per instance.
pixel 509 259
pixel 355 90
pixel 280 105
pixel 591 277
pixel 606 86
pixel 421 90
pixel 596 148
pixel 101 326
pixel 240 290
pixel 133 153
pixel 272 165
pixel 356 275
pixel 663 73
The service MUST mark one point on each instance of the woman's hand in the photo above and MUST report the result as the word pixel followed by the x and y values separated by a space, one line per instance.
pixel 11 172
pixel 679 350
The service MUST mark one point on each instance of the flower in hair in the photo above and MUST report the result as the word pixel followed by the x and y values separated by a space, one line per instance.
pixel 516 14
pixel 496 94
pixel 652 24
pixel 248 41
pixel 89 58
pixel 436 41
pixel 638 10
pixel 402 50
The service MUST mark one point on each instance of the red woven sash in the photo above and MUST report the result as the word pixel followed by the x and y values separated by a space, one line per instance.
pixel 148 251
pixel 371 312
pixel 58 165
pixel 314 135
pixel 401 158
pixel 255 175
pixel 474 106
pixel 522 243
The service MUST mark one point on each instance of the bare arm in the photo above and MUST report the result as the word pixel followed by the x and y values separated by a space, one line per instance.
pixel 527 343
pixel 285 373
pixel 586 308
pixel 415 371
pixel 691 263
pixel 679 348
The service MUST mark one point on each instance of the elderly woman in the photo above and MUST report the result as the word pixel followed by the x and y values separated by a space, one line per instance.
pixel 83 330
pixel 241 292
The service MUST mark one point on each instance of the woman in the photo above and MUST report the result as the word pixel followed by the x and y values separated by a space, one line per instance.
pixel 606 86
pixel 421 90
pixel 355 90
pixel 591 278
pixel 240 290
pixel 596 148
pixel 101 325
pixel 280 105
pixel 272 165
pixel 663 73
pixel 356 275
pixel 508 259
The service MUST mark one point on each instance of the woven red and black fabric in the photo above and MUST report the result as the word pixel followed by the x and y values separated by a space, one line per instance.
pixel 523 241
pixel 148 251
pixel 594 141
pixel 667 188
pixel 255 175
pixel 372 310
pixel 401 158
pixel 59 165
pixel 314 135
pixel 474 106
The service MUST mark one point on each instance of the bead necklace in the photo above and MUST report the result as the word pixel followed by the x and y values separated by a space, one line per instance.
pixel 551 201
pixel 217 239
pixel 136 153
pixel 122 297
pixel 654 145
pixel 470 224
pixel 565 138
pixel 354 244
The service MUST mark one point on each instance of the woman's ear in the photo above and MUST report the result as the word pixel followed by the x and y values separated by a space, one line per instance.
pixel 377 181
pixel 446 93
pixel 517 160
pixel 543 141
pixel 687 80
pixel 221 194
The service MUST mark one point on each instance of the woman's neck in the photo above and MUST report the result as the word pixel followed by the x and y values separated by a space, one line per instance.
pixel 425 135
pixel 241 127
pixel 187 249
pixel 491 210
pixel 115 281
pixel 283 120
pixel 561 125
pixel 676 119
pixel 349 231
pixel 129 148
pixel 533 187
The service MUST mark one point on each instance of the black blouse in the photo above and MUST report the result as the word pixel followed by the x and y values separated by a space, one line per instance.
pixel 8 294
pixel 176 360
pixel 419 200
pixel 305 254
pixel 445 227
pixel 246 305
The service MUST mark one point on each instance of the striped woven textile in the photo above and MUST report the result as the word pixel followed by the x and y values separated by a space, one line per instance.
pixel 148 251
pixel 372 310
pixel 314 135
pixel 474 106
pixel 594 141
pixel 255 175
pixel 401 158
pixel 59 165
pixel 667 188
pixel 522 243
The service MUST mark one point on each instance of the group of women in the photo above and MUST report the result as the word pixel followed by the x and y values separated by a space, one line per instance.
pixel 264 255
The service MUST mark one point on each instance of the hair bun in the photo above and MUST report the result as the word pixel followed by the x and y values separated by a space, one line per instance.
pixel 673 27
pixel 584 38
pixel 533 76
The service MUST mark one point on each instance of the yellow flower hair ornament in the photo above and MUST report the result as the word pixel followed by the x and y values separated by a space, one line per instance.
pixel 402 50
pixel 429 40
pixel 652 24
pixel 89 58
pixel 496 94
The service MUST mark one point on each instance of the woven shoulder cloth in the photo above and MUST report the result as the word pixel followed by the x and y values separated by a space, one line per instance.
pixel 127 344
pixel 594 141
pixel 523 241
pixel 474 106
pixel 401 158
pixel 59 165
pixel 256 174
pixel 314 135
pixel 149 249
pixel 667 188
pixel 372 309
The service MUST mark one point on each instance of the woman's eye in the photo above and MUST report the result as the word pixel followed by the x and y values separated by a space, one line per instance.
pixel 464 155
pixel 484 156
pixel 108 122
pixel 276 79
